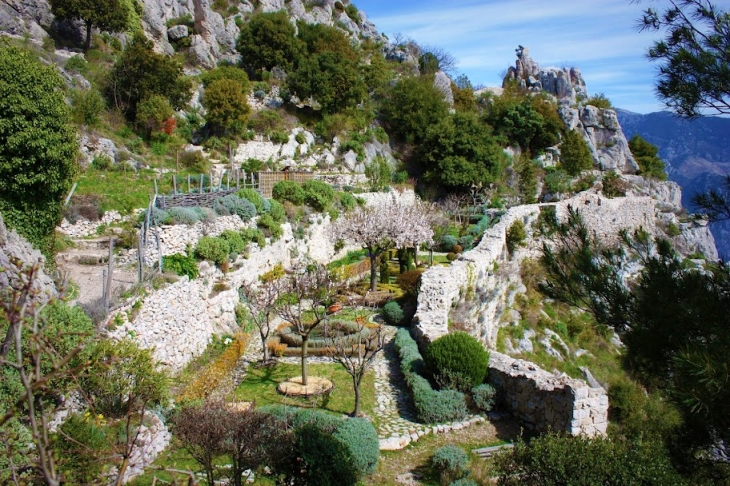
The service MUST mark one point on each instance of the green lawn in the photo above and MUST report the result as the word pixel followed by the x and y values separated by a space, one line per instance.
pixel 260 384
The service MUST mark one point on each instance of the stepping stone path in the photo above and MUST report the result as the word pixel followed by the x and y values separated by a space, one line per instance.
pixel 395 418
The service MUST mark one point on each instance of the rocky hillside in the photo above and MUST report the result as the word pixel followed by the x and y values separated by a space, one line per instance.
pixel 697 154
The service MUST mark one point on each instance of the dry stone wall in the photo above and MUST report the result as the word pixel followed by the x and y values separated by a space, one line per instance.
pixel 485 281
pixel 544 401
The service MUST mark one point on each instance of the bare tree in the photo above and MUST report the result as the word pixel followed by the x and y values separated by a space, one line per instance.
pixel 202 429
pixel 446 61
pixel 306 294
pixel 453 206
pixel 380 227
pixel 356 356
pixel 260 299
pixel 31 355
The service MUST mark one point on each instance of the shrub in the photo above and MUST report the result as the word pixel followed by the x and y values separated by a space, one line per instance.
pixel 557 181
pixel 431 406
pixel 273 227
pixel 288 191
pixel 451 257
pixel 82 444
pixel 326 460
pixel 410 282
pixel 213 249
pixel 450 462
pixel 194 161
pixel 278 136
pixel 457 361
pixel 235 241
pixel 362 440
pixel 159 217
pixel 254 235
pixel 465 242
pixel 392 313
pixel 516 236
pixel 483 396
pixel 317 194
pixel 347 201
pixel 614 185
pixel 276 210
pixel 448 242
pixel 232 204
pixel 464 482
pixel 262 205
pixel 181 264
pixel 575 156
pixel 180 215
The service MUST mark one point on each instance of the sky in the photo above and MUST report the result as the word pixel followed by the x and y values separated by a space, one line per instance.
pixel 597 36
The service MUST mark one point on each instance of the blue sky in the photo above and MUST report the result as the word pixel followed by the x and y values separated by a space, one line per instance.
pixel 597 36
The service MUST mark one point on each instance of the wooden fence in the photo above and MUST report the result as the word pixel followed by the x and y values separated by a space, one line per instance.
pixel 202 192
pixel 268 179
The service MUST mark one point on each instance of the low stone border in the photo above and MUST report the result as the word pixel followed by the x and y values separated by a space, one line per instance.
pixel 317 386
pixel 397 443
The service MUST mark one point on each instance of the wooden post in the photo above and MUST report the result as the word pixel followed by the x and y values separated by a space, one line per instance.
pixel 201 183
pixel 70 193
pixel 109 274
pixel 188 183
pixel 103 289
pixel 211 182
pixel 140 258
pixel 174 184
pixel 159 249
pixel 228 180
pixel 155 186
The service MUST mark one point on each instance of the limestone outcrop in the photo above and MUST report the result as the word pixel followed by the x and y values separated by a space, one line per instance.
pixel 599 127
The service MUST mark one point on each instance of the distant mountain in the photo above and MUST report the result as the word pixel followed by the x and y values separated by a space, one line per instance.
pixel 697 153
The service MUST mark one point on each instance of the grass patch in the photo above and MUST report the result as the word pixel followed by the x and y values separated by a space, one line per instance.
pixel 351 257
pixel 260 384
pixel 174 457
pixel 119 190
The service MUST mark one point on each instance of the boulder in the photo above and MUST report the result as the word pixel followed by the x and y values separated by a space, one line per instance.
pixel 443 83
pixel 177 32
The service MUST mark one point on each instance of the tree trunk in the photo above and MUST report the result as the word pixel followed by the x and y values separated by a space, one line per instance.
pixel 356 386
pixel 122 470
pixel 305 345
pixel 415 254
pixel 88 36
pixel 373 271
pixel 266 348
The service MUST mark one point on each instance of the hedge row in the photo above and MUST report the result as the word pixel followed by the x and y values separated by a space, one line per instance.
pixel 432 406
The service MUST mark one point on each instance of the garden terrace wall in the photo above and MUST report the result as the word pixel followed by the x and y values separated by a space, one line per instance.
pixel 544 401
pixel 486 280
pixel 204 200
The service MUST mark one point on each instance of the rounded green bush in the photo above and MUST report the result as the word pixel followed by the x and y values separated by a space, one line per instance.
pixel 260 203
pixel 483 396
pixel 235 241
pixel 213 249
pixel 347 201
pixel 451 463
pixel 457 361
pixel 232 204
pixel 276 210
pixel 392 313
pixel 288 191
pixel 317 194
pixel 362 440
pixel 448 242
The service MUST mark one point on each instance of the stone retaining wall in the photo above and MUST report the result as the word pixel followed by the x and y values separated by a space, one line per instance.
pixel 543 401
pixel 485 280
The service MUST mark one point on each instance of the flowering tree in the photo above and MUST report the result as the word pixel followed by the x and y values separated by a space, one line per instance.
pixel 260 300
pixel 380 227
pixel 305 296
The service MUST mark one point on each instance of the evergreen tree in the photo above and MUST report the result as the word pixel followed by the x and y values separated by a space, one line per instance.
pixel 107 15
pixel 646 156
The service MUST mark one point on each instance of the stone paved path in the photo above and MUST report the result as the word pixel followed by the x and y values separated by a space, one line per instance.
pixel 395 417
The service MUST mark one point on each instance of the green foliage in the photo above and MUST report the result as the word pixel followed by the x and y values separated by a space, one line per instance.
pixel 266 121
pixel 226 103
pixel 122 377
pixel 428 64
pixel 232 205
pixel 108 16
pixel 379 173
pixel 326 460
pixel 483 396
pixel 552 459
pixel 393 313
pixel 86 106
pixel 272 227
pixel 236 243
pixel 226 72
pixel 82 446
pixel 268 40
pixel 288 191
pixel 694 76
pixel 183 265
pixel 516 236
pixel 557 181
pixel 459 151
pixel 213 249
pixel 613 185
pixel 448 242
pixel 409 281
pixel 152 112
pixel 646 155
pixel 195 161
pixel 457 361
pixel 362 441
pixel 140 73
pixel 451 462
pixel 276 210
pixel 347 201
pixel 527 185
pixel 318 194
pixel 181 215
pixel 599 101
pixel 411 107
pixel 252 195
pixel 575 156
pixel 432 406
pixel 532 122
pixel 38 146
pixel 278 136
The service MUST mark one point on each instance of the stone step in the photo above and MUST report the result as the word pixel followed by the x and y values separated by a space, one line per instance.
pixel 486 452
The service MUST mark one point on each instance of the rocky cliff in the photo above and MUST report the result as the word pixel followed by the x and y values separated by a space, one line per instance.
pixel 598 126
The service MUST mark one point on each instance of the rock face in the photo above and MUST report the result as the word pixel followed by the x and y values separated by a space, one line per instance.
pixel 442 82
pixel 598 126
pixel 16 256
pixel 25 17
